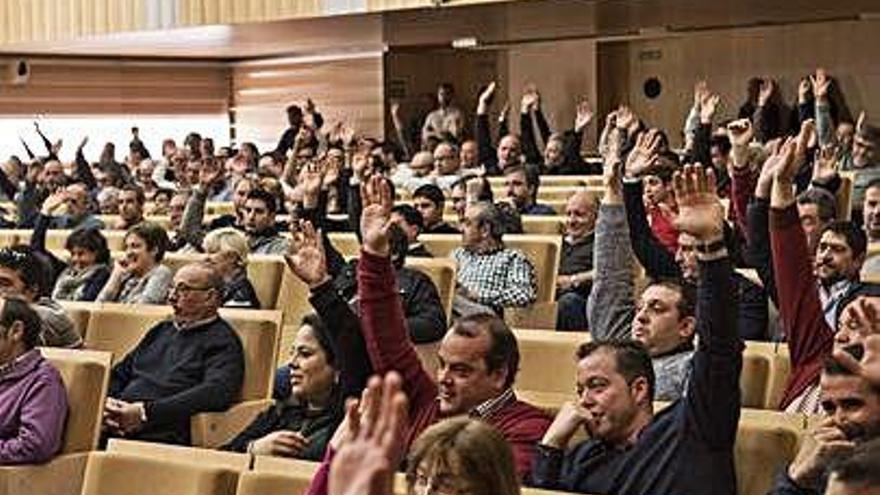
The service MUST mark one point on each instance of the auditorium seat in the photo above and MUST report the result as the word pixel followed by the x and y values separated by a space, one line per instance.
pixel 540 315
pixel 219 208
pixel 766 441
pixel 118 328
pixel 85 375
pixel 255 483
pixel 111 473
pixel 263 270
pixel 442 274
pixel 346 243
pixel 233 461
pixel 547 360
pixel 211 430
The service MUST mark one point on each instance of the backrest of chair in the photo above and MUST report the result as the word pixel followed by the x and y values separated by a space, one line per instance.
pixel 442 272
pixel 544 252
pixel 547 360
pixel 117 328
pixel 754 378
pixel 260 334
pixel 86 375
pixel 285 466
pixel 346 243
pixel 440 245
pixel 543 224
pixel 115 473
pixel 779 367
pixel 844 195
pixel 263 270
pixel 765 442
pixel 254 483
pixel 182 454
pixel 293 298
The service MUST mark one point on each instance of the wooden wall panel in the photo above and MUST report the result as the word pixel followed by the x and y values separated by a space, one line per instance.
pixel 728 58
pixel 343 89
pixel 59 86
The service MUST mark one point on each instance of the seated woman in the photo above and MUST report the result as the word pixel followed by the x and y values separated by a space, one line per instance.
pixel 301 426
pixel 88 269
pixel 227 250
pixel 139 277
pixel 33 401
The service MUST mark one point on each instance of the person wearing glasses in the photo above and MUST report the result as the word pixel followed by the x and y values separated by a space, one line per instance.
pixel 69 208
pixel 139 277
pixel 190 363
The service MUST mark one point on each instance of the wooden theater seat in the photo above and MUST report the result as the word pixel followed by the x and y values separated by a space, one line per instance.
pixel 112 473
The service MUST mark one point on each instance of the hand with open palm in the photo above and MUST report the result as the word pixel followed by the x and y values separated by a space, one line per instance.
pixel 700 213
pixel 305 257
pixel 375 218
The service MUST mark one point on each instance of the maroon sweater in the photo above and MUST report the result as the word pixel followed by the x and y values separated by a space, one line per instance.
pixel 809 338
pixel 384 328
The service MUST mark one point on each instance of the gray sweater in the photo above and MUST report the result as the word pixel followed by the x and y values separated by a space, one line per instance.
pixel 611 306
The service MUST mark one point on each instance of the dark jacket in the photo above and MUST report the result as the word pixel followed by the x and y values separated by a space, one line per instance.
pixel 180 373
pixel 240 293
pixel 688 447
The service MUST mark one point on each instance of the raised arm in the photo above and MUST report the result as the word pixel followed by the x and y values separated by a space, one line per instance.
pixel 528 104
pixel 713 396
pixel 382 319
pixel 800 310
pixel 611 306
pixel 485 151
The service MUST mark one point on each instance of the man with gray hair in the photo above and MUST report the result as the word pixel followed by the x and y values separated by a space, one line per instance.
pixel 490 277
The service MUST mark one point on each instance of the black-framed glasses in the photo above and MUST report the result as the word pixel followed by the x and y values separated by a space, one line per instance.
pixel 187 289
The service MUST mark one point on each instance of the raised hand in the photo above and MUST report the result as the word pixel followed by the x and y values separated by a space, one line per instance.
pixel 768 86
pixel 305 256
pixel 805 139
pixel 740 132
pixel 311 178
pixel 826 164
pixel 375 218
pixel 530 99
pixel 502 115
pixel 804 89
pixel 820 83
pixel 784 165
pixel 365 464
pixel 583 115
pixel 708 106
pixel 869 366
pixel 485 99
pixel 82 144
pixel 700 213
pixel 54 202
pixel 701 91
pixel 645 153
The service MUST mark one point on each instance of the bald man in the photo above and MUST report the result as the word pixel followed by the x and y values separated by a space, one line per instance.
pixel 576 265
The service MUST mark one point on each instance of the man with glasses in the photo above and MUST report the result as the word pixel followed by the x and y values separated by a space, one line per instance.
pixel 446 165
pixel 185 365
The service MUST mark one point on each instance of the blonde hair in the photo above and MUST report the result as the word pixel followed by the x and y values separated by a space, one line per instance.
pixel 228 240
pixel 473 452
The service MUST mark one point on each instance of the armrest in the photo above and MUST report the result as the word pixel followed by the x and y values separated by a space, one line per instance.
pixel 63 475
pixel 211 430
pixel 539 315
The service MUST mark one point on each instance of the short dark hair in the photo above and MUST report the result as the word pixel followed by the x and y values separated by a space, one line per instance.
pixel 503 347
pixel 432 193
pixel 294 109
pixel 855 237
pixel 154 237
pixel 23 260
pixel 722 142
pixel 824 201
pixel 138 190
pixel 861 468
pixel 266 197
pixel 687 301
pixel 631 357
pixel 531 173
pixel 91 240
pixel 833 367
pixel 491 216
pixel 873 183
pixel 17 309
pixel 447 86
pixel 410 215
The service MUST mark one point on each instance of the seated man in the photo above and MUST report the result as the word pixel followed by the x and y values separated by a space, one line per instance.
pixel 576 264
pixel 522 183
pixel 478 357
pixel 131 207
pixel 490 277
pixel 75 198
pixel 509 152
pixel 259 224
pixel 33 401
pixel 190 363
pixel 22 274
pixel 852 408
pixel 410 222
pixel 430 202
pixel 686 448
pixel 447 167
pixel 859 474
pixel 416 174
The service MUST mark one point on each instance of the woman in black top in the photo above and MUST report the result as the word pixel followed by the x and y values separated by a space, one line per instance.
pixel 301 425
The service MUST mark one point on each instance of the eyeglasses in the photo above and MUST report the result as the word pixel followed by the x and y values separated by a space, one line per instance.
pixel 187 289
pixel 438 484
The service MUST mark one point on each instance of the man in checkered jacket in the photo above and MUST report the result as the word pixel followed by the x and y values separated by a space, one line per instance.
pixel 490 277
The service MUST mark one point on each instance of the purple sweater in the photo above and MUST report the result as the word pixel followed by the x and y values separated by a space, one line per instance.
pixel 33 408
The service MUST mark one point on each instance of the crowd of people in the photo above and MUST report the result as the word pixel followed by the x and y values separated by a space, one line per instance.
pixel 676 337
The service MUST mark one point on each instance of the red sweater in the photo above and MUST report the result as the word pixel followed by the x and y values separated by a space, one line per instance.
pixel 809 338
pixel 663 229
pixel 384 328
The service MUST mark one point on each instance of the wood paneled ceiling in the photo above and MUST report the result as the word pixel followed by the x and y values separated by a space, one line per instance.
pixel 492 25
